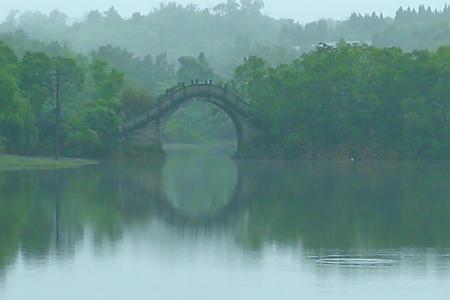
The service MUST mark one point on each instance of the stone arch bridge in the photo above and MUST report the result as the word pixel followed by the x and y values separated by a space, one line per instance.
pixel 144 131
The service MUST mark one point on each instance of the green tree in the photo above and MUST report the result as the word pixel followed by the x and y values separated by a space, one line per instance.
pixel 194 69
pixel 35 80
pixel 94 130
pixel 108 82
pixel 17 122
pixel 135 101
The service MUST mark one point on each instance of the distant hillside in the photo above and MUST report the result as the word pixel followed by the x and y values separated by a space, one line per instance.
pixel 230 32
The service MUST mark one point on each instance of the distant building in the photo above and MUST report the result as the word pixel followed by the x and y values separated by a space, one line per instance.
pixel 334 43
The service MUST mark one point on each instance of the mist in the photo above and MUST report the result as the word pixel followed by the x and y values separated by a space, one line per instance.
pixel 302 11
pixel 224 149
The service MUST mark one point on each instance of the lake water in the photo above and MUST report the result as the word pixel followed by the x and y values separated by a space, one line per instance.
pixel 202 226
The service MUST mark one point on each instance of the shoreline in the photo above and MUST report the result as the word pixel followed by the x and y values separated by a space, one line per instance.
pixel 16 163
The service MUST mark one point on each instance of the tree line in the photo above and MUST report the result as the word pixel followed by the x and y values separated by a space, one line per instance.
pixel 352 101
pixel 227 33
pixel 95 96
pixel 99 92
pixel 230 31
pixel 348 101
pixel 410 29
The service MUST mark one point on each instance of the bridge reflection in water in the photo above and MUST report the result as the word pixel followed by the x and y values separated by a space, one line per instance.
pixel 203 189
pixel 133 229
pixel 334 211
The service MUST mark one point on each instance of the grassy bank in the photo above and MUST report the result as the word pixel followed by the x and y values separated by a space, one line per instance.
pixel 14 162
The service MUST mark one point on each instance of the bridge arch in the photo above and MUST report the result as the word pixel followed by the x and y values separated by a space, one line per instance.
pixel 145 130
pixel 232 115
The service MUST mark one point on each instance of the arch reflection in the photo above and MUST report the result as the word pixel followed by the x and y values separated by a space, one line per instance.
pixel 328 209
pixel 203 189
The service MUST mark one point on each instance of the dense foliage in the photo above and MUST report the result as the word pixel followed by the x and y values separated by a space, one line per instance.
pixel 335 100
pixel 102 90
pixel 90 96
pixel 410 29
pixel 230 31
pixel 226 34
pixel 353 101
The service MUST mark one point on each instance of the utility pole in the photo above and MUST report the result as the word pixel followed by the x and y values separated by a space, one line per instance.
pixel 58 200
pixel 57 79
pixel 58 113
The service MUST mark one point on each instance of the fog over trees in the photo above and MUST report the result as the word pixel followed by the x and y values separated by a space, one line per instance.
pixel 302 11
pixel 322 89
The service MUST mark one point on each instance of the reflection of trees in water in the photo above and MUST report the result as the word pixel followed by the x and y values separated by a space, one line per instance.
pixel 13 212
pixel 323 206
pixel 46 213
pixel 328 206
pixel 23 221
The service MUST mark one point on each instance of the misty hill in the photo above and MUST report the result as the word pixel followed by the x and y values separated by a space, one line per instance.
pixel 410 29
pixel 226 34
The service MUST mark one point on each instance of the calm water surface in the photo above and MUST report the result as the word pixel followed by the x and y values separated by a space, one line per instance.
pixel 202 226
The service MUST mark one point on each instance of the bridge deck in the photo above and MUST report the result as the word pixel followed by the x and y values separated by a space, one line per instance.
pixel 174 97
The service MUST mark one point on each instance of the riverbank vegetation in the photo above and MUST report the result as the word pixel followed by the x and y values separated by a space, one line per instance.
pixel 352 102
pixel 91 103
pixel 99 92
pixel 227 33
pixel 14 162
pixel 312 97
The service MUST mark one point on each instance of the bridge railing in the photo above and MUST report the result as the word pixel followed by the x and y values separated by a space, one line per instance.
pixel 172 96
pixel 206 86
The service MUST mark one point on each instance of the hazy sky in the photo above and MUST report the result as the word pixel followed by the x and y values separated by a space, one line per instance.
pixel 301 10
